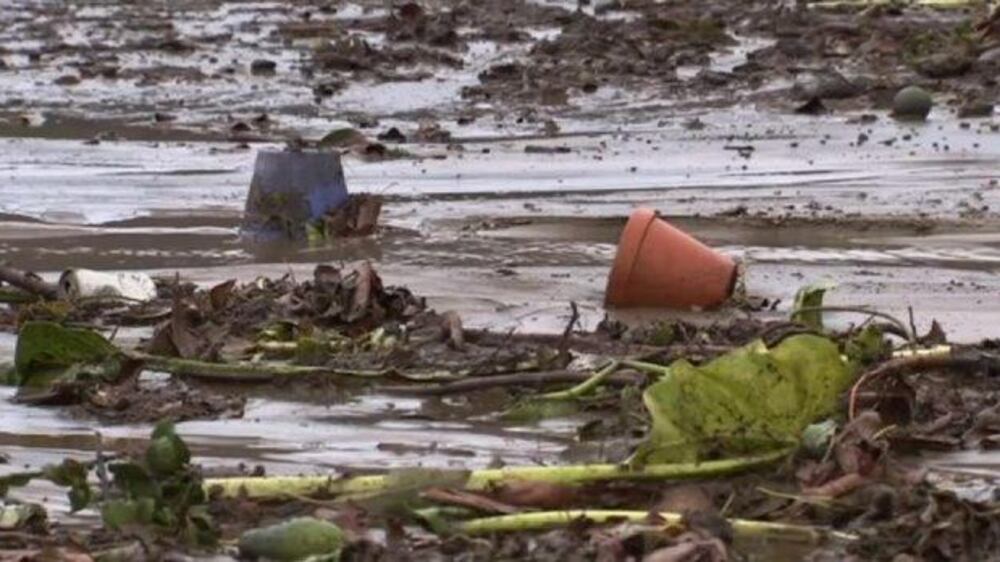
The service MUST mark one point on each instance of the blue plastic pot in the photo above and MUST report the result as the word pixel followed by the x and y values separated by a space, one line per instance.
pixel 290 189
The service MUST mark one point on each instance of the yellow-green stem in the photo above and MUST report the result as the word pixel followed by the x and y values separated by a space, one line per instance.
pixel 283 486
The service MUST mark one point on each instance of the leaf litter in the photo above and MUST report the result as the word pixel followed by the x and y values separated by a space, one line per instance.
pixel 677 398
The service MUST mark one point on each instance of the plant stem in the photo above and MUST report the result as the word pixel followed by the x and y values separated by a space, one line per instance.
pixel 241 371
pixel 585 387
pixel 912 337
pixel 279 487
pixel 651 368
pixel 744 528
pixel 476 383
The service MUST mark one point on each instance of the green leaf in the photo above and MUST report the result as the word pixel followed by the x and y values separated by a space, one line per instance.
pixel 811 296
pixel 748 401
pixel 166 453
pixel 867 346
pixel 69 473
pixel 120 514
pixel 134 481
pixel 79 497
pixel 293 540
pixel 47 352
pixel 73 474
pixel 15 480
pixel 816 437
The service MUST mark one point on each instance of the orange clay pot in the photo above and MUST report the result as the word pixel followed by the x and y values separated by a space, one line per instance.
pixel 658 265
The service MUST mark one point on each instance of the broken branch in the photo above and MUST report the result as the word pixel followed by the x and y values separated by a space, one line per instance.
pixel 28 282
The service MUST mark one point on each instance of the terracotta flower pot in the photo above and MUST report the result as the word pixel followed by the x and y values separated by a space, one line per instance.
pixel 658 265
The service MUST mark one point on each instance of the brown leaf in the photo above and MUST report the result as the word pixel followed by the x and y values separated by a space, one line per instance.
pixel 691 547
pixel 467 499
pixel 838 486
pixel 685 498
pixel 220 294
pixel 530 493
pixel 451 330
pixel 326 276
pixel 856 450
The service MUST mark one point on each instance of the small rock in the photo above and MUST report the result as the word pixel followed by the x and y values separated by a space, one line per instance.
pixel 263 67
pixel 550 128
pixel 825 84
pixel 695 124
pixel 974 109
pixel 262 121
pixel 912 102
pixel 538 149
pixel 812 107
pixel 429 131
pixel 990 57
pixel 67 80
pixel 392 135
pixel 163 117
pixel 714 77
pixel 944 65
pixel 327 89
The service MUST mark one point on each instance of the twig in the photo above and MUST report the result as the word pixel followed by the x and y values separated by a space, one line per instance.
pixel 951 358
pixel 242 371
pixel 520 379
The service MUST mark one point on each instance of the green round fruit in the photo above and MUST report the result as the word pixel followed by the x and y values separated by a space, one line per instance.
pixel 293 540
pixel 912 102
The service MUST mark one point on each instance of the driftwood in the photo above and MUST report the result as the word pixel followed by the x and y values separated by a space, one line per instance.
pixel 28 282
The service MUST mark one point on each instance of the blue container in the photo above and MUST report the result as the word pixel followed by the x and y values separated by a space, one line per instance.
pixel 291 188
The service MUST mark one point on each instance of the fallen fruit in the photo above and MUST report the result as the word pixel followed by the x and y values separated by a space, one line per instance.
pixel 912 102
pixel 293 540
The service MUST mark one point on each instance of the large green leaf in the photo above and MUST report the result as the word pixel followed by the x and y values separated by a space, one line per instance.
pixel 751 400
pixel 47 352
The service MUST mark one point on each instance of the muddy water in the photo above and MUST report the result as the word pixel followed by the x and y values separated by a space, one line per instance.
pixel 505 239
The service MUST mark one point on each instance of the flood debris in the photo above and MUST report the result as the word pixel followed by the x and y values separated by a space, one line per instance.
pixel 290 189
pixel 659 265
pixel 88 284
pixel 793 430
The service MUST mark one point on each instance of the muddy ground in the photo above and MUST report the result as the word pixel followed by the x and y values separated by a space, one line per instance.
pixel 526 132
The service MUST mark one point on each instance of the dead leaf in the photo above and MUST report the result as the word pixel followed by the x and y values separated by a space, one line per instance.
pixel 451 330
pixel 467 499
pixel 838 486
pixel 685 498
pixel 530 493
pixel 220 294
pixel 691 547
